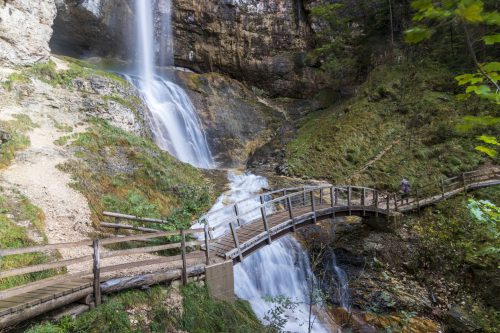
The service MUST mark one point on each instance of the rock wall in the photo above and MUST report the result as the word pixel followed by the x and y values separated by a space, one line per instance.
pixel 263 43
pixel 260 42
pixel 25 31
pixel 93 27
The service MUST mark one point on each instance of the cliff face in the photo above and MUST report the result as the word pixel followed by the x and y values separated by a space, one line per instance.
pixel 93 27
pixel 25 31
pixel 261 42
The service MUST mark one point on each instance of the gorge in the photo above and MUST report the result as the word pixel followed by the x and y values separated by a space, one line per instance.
pixel 176 110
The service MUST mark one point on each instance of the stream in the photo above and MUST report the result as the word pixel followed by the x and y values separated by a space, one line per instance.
pixel 176 128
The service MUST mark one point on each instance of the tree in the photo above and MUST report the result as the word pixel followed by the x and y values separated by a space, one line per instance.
pixel 480 24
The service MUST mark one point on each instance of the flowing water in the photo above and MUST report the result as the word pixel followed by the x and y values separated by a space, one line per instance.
pixel 173 118
pixel 281 269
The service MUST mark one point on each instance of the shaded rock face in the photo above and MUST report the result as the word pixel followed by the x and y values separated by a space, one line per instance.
pixel 25 31
pixel 264 43
pixel 236 121
pixel 93 27
pixel 261 42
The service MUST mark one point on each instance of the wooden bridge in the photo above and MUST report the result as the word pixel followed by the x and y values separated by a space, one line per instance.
pixel 253 223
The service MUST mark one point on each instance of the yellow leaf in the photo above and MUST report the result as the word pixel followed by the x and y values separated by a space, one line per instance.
pixel 472 12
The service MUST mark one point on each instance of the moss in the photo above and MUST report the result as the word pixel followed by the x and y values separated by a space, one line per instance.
pixel 14 79
pixel 147 311
pixel 17 140
pixel 402 123
pixel 14 236
pixel 118 171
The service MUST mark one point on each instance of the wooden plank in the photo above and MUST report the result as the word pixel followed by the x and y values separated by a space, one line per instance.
pixel 236 241
pixel 148 249
pixel 126 226
pixel 183 255
pixel 43 267
pixel 97 272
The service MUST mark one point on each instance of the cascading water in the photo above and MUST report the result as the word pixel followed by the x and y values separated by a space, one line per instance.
pixel 177 129
pixel 173 118
pixel 342 288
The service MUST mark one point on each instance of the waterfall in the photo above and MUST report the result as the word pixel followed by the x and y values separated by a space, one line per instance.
pixel 173 119
pixel 342 288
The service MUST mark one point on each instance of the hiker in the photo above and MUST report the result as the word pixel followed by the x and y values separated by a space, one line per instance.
pixel 405 190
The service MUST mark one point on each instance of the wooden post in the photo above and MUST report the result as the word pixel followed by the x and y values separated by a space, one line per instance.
pixel 332 202
pixel 236 241
pixel 286 202
pixel 97 272
pixel 442 189
pixel 376 202
pixel 320 196
pixel 264 220
pixel 207 249
pixel 290 212
pixel 313 206
pixel 387 201
pixel 349 190
pixel 464 184
pixel 418 201
pixel 395 202
pixel 237 213
pixel 336 196
pixel 363 201
pixel 183 255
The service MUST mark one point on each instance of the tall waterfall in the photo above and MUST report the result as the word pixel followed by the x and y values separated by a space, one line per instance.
pixel 176 128
pixel 173 118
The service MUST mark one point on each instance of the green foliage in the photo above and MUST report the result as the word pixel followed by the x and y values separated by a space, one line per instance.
pixel 402 123
pixel 203 314
pixel 14 236
pixel 15 78
pixel 17 140
pixel 118 171
pixel 280 313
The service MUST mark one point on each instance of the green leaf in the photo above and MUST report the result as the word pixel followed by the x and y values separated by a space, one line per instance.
pixel 487 151
pixel 468 79
pixel 421 4
pixel 491 39
pixel 471 12
pixel 489 140
pixel 478 90
pixel 417 34
pixel 491 67
pixel 492 18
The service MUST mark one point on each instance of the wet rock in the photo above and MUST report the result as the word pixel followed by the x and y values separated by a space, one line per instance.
pixel 25 31
pixel 457 321
pixel 236 121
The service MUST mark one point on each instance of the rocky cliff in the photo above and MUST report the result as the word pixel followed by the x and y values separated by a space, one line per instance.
pixel 263 43
pixel 25 31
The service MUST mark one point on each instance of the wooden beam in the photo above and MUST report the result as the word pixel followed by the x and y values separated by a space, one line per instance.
pixel 207 247
pixel 183 254
pixel 44 267
pixel 236 241
pixel 349 193
pixel 117 226
pixel 290 213
pixel 97 272
pixel 135 218
pixel 363 195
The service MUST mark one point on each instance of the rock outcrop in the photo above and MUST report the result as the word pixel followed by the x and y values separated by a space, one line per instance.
pixel 236 120
pixel 25 31
pixel 93 27
pixel 261 42
pixel 264 43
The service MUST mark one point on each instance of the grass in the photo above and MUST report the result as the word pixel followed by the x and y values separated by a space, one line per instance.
pixel 412 108
pixel 149 311
pixel 122 172
pixel 13 236
pixel 15 129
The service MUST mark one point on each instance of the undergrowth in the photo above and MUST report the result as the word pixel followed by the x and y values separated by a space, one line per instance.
pixel 15 138
pixel 121 172
pixel 410 108
pixel 150 311
pixel 19 208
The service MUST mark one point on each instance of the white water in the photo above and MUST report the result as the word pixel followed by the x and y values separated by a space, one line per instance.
pixel 173 118
pixel 280 269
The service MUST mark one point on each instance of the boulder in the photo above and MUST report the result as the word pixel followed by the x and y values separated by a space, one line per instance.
pixel 25 31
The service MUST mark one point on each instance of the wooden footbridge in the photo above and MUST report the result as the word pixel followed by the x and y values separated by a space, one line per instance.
pixel 230 233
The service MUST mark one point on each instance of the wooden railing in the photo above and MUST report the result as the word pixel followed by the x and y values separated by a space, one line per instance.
pixel 444 188
pixel 91 262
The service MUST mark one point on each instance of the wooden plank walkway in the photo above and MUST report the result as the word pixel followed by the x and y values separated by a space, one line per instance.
pixel 253 223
